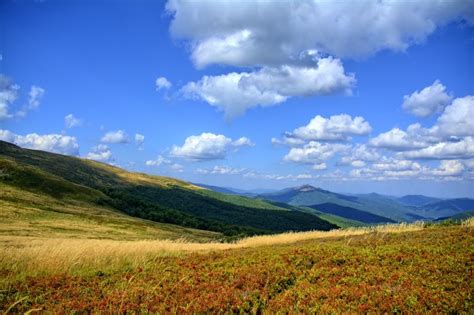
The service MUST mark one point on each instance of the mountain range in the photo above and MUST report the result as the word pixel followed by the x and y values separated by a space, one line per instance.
pixel 369 208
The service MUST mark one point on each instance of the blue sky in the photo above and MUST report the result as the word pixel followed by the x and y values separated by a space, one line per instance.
pixel 234 77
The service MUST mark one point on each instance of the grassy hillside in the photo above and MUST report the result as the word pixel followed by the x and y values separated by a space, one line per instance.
pixel 27 214
pixel 160 199
pixel 393 269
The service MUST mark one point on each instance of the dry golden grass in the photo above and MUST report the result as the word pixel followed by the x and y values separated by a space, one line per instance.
pixel 26 255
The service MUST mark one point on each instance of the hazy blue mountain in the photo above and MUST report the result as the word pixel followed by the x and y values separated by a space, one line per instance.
pixel 416 200
pixel 223 190
pixel 236 191
pixel 351 213
pixel 383 206
pixel 446 208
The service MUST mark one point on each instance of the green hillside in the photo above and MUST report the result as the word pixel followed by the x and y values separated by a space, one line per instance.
pixel 160 199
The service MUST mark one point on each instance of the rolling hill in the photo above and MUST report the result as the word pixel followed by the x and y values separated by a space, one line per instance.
pixel 69 181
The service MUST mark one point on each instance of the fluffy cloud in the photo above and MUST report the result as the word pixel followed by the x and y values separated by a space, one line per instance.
pixel 314 152
pixel 177 167
pixel 161 160
pixel 399 140
pixel 338 127
pixel 444 137
pixel 287 140
pixel 303 176
pixel 35 95
pixel 448 168
pixel 432 99
pixel 8 95
pixel 220 170
pixel 50 142
pixel 319 166
pixel 359 155
pixel 162 84
pixel 396 165
pixel 403 169
pixel 234 93
pixel 268 33
pixel 118 136
pixel 207 146
pixel 243 141
pixel 158 161
pixel 100 153
pixel 70 121
pixel 139 140
pixel 458 118
pixel 459 149
pixel 469 164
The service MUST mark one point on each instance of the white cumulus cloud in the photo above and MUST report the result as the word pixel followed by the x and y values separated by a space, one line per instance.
pixel 162 83
pixel 35 95
pixel 234 93
pixel 139 140
pixel 70 121
pixel 448 168
pixel 118 136
pixel 221 170
pixel 431 100
pixel 314 152
pixel 100 153
pixel 460 149
pixel 337 127
pixel 158 161
pixel 207 146
pixel 263 32
pixel 8 95
pixel 50 142
pixel 399 140
pixel 458 118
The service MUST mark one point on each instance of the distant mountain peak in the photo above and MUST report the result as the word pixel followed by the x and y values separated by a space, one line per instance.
pixel 306 188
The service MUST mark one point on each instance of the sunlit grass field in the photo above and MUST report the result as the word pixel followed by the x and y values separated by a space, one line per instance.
pixel 395 268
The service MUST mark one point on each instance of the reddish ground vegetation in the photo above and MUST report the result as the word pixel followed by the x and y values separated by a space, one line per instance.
pixel 428 271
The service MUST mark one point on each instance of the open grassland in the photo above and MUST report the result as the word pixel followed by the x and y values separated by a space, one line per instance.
pixel 395 268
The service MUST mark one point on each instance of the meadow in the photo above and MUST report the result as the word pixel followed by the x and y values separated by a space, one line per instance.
pixel 406 268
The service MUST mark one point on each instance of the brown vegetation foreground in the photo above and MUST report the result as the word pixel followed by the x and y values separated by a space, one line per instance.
pixel 396 268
